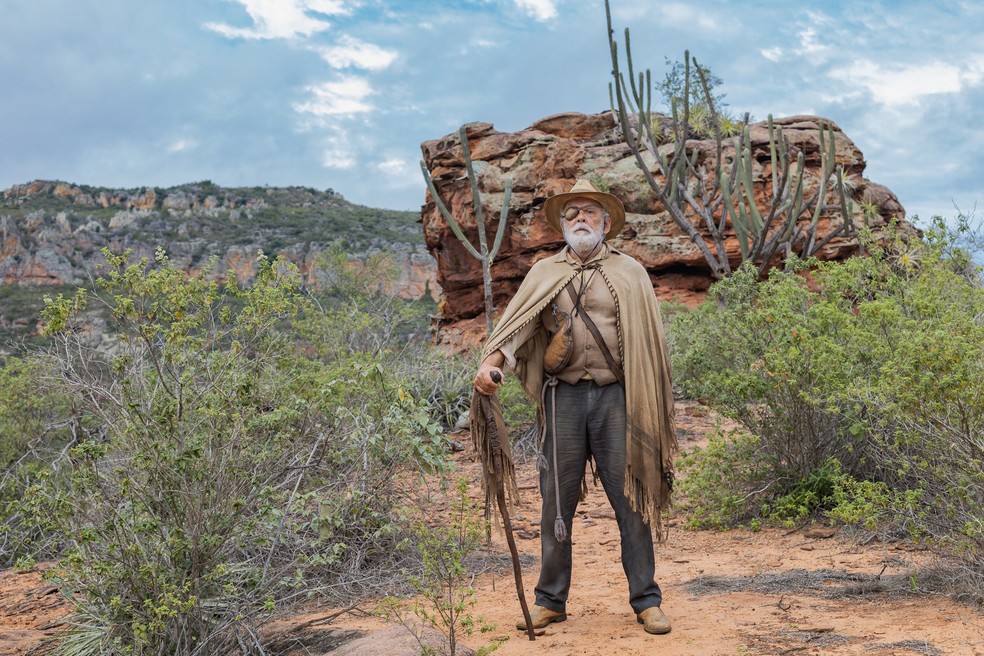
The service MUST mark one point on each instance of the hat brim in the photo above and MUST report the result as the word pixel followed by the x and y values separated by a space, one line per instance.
pixel 612 205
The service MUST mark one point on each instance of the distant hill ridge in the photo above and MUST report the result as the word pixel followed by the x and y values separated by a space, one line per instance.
pixel 52 232
pixel 193 195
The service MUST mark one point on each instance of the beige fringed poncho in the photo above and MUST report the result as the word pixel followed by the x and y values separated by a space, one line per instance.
pixel 650 435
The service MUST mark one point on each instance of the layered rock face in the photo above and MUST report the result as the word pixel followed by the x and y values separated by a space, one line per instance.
pixel 52 233
pixel 548 157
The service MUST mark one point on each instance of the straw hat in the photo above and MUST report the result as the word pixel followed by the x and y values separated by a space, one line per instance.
pixel 584 189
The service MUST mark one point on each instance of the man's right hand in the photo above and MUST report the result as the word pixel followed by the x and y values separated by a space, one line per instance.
pixel 484 381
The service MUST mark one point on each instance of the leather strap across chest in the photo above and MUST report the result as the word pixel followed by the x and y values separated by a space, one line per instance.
pixel 593 329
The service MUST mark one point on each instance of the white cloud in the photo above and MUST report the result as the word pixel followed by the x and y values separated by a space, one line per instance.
pixel 338 158
pixel 772 54
pixel 974 73
pixel 337 152
pixel 818 18
pixel 906 84
pixel 809 44
pixel 400 171
pixel 541 10
pixel 282 19
pixel 342 96
pixel 330 7
pixel 393 166
pixel 182 145
pixel 479 43
pixel 352 52
pixel 685 15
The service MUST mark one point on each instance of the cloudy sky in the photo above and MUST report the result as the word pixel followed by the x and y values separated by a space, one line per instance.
pixel 340 93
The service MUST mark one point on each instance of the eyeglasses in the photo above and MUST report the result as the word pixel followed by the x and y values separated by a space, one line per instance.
pixel 590 212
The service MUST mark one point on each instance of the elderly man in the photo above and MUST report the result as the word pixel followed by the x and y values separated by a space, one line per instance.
pixel 584 336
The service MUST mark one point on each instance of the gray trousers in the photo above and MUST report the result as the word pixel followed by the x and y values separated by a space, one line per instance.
pixel 590 422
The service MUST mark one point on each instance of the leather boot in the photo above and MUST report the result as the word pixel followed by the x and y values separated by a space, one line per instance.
pixel 654 621
pixel 541 617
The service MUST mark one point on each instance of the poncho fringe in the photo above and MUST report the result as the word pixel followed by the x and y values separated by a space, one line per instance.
pixel 495 453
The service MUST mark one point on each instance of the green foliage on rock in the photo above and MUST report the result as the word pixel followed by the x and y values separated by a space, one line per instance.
pixel 680 79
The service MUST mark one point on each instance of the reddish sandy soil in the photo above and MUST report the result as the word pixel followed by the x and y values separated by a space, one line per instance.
pixel 773 592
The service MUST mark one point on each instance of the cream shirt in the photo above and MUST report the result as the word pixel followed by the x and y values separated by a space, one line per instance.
pixel 587 360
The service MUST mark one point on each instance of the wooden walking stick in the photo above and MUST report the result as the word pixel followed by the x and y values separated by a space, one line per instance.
pixel 497 465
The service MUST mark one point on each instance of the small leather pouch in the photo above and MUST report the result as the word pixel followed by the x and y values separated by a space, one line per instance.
pixel 561 344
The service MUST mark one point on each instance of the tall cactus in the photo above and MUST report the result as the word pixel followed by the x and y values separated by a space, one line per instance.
pixel 760 237
pixel 482 253
pixel 687 190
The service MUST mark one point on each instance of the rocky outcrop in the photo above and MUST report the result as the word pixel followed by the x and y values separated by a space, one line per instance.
pixel 547 158
pixel 52 233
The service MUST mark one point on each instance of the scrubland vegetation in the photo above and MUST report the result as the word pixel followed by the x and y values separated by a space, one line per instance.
pixel 859 389
pixel 235 450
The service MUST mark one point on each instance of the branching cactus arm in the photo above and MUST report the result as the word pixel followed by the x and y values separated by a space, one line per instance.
pixel 632 98
pixel 482 253
pixel 503 219
pixel 446 214
pixel 787 215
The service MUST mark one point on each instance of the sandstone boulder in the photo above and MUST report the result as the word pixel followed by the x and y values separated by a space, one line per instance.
pixel 547 157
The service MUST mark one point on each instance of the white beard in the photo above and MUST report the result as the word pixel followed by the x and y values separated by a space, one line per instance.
pixel 583 243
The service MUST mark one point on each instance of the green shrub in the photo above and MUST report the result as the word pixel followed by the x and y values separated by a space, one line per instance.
pixel 172 510
pixel 444 380
pixel 442 584
pixel 36 427
pixel 228 474
pixel 721 480
pixel 23 413
pixel 921 398
pixel 768 355
pixel 806 496
pixel 356 295
pixel 864 391
pixel 876 507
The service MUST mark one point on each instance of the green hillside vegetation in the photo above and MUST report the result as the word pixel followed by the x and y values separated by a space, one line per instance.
pixel 275 219
pixel 241 215
pixel 20 310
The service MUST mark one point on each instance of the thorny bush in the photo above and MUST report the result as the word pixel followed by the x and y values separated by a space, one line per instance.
pixel 861 393
pixel 229 473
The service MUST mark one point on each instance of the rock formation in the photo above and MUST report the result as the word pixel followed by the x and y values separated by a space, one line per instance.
pixel 546 159
pixel 51 233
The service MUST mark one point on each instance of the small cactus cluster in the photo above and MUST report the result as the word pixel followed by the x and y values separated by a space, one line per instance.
pixel 762 236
